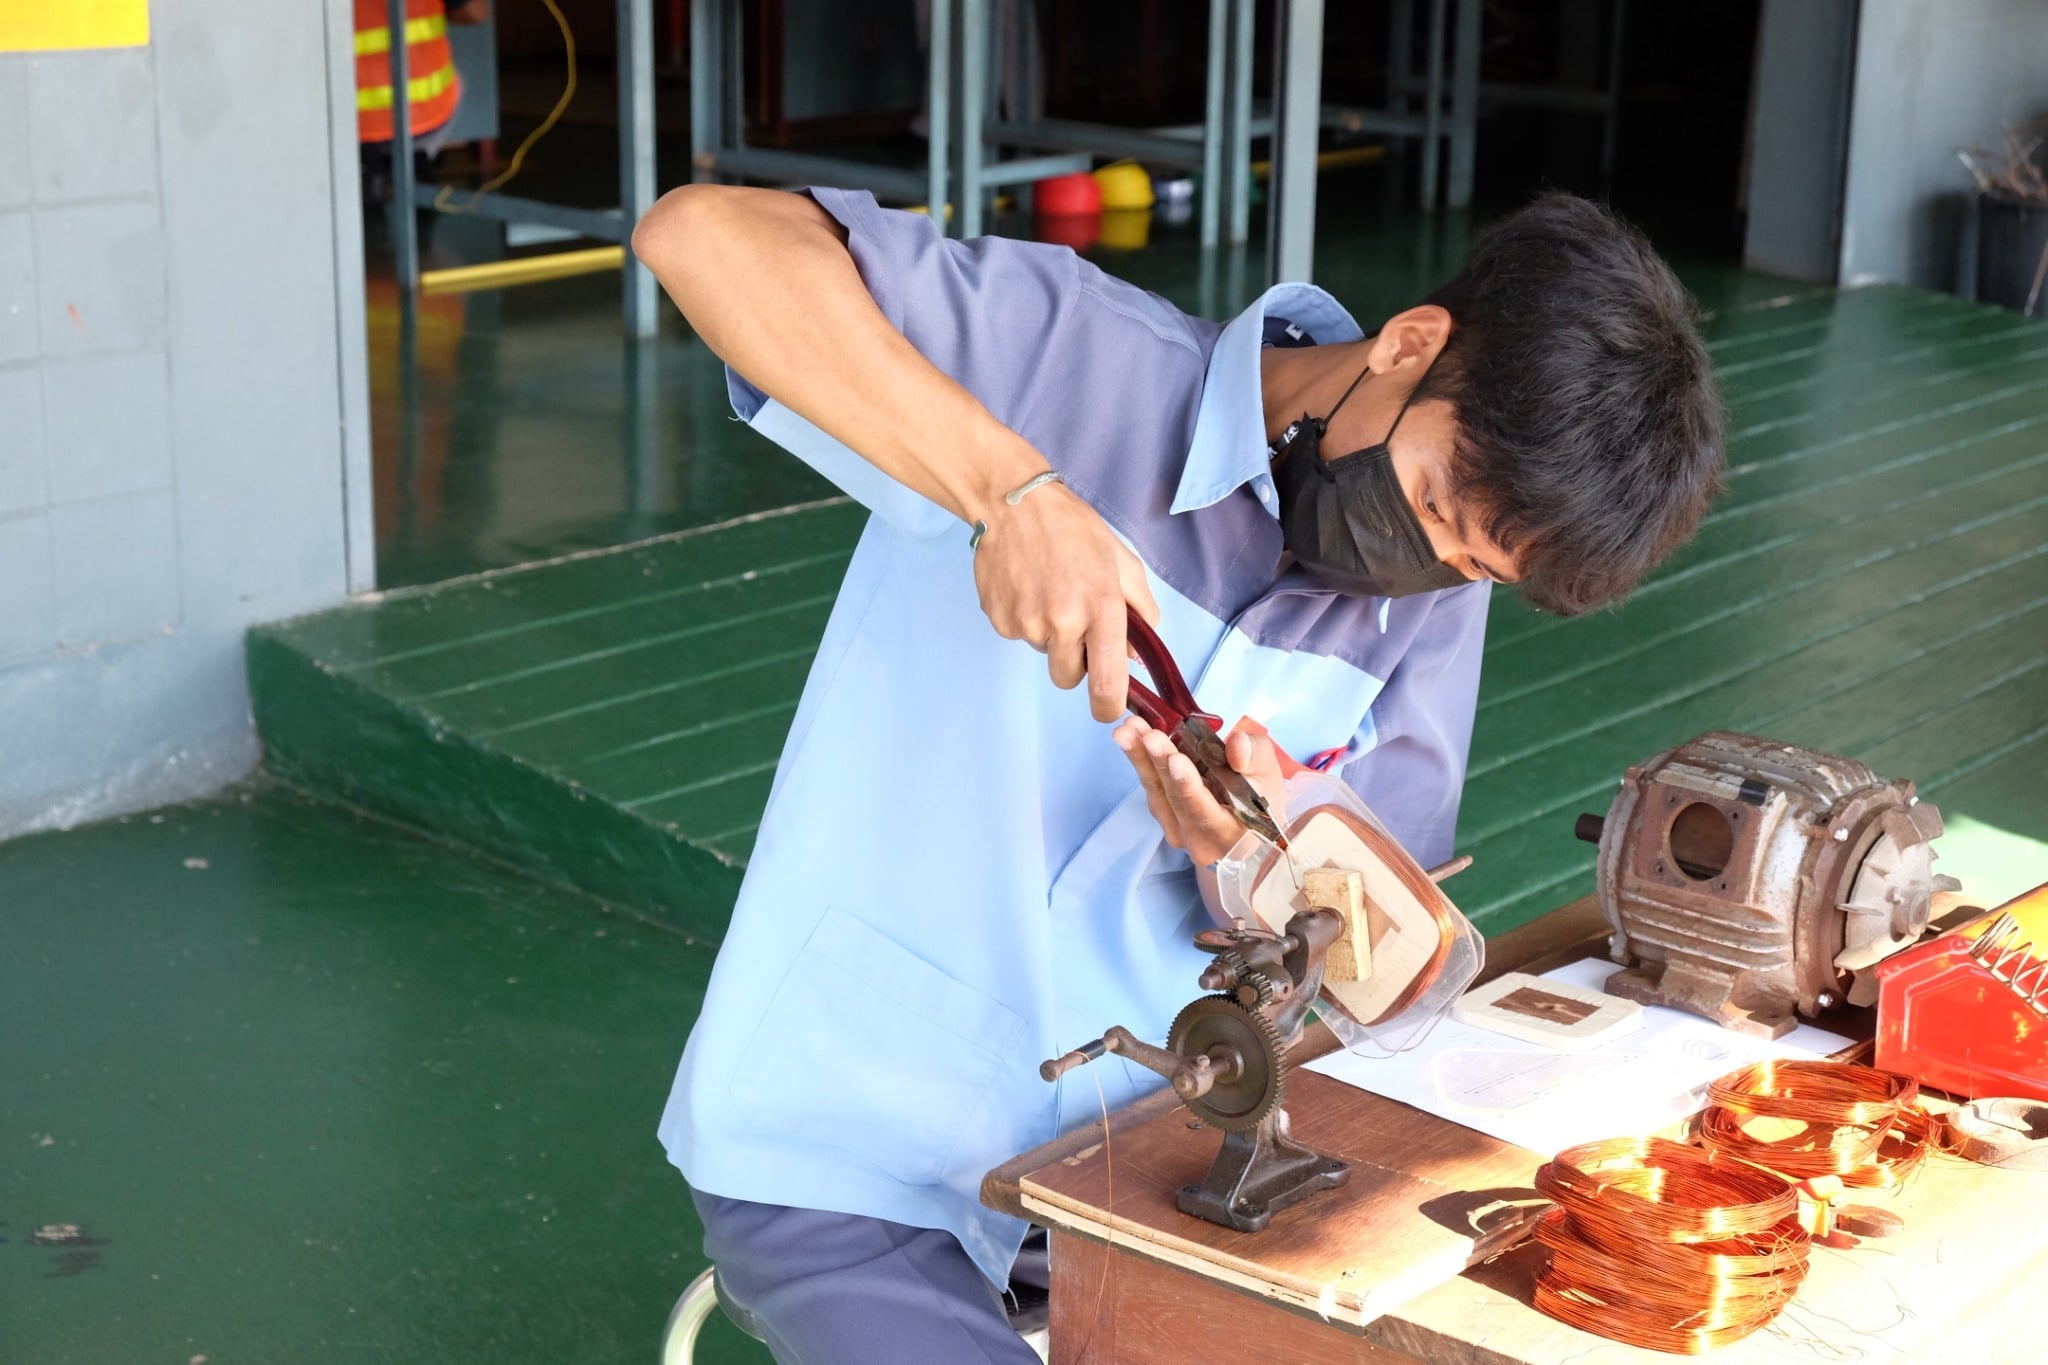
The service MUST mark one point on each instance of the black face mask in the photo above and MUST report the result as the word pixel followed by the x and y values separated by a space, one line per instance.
pixel 1347 520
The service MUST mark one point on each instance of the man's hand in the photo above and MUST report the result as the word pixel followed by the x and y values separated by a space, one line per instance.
pixel 1052 574
pixel 1191 818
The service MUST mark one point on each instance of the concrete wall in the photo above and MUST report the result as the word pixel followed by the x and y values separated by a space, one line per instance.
pixel 172 396
pixel 1931 75
pixel 1798 136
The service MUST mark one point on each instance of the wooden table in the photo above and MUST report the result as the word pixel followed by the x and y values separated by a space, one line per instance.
pixel 1378 1270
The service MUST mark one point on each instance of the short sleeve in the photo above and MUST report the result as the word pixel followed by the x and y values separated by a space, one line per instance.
pixel 1414 774
pixel 985 312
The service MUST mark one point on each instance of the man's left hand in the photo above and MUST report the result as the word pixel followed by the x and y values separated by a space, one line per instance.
pixel 1193 819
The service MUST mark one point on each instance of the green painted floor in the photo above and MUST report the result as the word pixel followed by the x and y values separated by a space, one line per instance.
pixel 1873 582
pixel 315 1090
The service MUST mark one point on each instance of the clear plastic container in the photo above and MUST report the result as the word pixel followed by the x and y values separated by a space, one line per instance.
pixel 1422 953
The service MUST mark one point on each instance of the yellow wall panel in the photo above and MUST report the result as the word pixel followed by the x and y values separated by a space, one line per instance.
pixel 56 25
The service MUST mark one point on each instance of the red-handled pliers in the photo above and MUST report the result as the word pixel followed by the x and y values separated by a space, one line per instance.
pixel 1172 711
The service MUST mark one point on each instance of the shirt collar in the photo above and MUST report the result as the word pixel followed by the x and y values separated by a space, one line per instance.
pixel 1229 447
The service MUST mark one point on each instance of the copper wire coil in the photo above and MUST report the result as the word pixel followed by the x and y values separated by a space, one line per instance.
pixel 1815 1092
pixel 1665 1190
pixel 1665 1246
pixel 1859 1124
pixel 1681 1297
pixel 1703 1267
pixel 1617 1319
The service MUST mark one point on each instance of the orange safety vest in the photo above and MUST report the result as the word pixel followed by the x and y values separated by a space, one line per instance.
pixel 431 86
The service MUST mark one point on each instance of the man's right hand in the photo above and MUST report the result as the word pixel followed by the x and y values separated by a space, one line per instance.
pixel 766 279
pixel 1052 574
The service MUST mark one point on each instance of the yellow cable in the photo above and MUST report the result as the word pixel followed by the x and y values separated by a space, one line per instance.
pixel 504 177
pixel 559 265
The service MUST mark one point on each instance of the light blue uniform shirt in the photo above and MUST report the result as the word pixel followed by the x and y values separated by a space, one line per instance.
pixel 957 876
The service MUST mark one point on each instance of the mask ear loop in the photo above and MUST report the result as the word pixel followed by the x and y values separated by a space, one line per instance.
pixel 1323 422
pixel 1406 403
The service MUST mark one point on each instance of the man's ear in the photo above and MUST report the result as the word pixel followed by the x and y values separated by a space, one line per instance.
pixel 1414 336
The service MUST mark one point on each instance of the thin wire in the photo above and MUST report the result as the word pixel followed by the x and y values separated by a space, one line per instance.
pixel 1108 1232
pixel 442 200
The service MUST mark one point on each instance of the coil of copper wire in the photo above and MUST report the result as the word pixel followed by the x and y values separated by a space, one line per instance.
pixel 1666 1246
pixel 1804 1119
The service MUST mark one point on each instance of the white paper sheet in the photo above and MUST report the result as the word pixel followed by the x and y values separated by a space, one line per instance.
pixel 1536 1097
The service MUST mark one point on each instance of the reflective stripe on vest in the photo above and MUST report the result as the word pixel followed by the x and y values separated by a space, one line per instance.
pixel 419 90
pixel 374 40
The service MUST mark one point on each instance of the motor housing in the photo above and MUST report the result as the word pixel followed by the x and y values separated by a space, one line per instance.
pixel 1752 881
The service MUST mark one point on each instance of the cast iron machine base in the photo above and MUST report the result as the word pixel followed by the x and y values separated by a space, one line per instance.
pixel 1226 1057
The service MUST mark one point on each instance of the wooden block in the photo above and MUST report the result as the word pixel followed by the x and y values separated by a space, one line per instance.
pixel 1342 892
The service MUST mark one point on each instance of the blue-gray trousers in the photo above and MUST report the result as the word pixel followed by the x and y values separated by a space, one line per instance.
pixel 839 1289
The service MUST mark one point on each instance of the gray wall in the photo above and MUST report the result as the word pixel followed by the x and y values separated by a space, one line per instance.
pixel 173 290
pixel 1798 137
pixel 1931 75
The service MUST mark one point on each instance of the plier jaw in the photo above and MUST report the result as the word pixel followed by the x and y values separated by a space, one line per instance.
pixel 1198 734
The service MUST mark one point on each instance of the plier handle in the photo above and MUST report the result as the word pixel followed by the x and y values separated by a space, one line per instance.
pixel 1172 711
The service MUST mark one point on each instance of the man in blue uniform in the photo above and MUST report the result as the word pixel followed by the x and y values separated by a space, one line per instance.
pixel 958 872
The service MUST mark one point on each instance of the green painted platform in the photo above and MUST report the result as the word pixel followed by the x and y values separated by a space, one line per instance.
pixel 1874 582
pixel 609 721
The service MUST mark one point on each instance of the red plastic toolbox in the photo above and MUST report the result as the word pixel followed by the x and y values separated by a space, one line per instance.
pixel 1973 1024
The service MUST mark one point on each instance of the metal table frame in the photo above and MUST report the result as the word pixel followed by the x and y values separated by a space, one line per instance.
pixel 960 169
pixel 1434 123
pixel 1604 100
pixel 636 168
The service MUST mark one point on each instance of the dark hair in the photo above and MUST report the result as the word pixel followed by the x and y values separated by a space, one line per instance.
pixel 1589 429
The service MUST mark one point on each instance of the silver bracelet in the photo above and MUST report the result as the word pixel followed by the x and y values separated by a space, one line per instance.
pixel 1013 497
pixel 1035 482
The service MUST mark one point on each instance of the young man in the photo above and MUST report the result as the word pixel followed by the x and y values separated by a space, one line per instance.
pixel 958 875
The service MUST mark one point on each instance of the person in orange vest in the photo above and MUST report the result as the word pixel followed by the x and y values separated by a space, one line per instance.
pixel 433 87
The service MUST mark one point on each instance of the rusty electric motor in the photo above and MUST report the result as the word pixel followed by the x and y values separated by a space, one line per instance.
pixel 1750 881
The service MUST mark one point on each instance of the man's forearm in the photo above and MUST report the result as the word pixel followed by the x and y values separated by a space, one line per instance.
pixel 766 280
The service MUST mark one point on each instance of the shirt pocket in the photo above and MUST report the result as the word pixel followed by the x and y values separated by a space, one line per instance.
pixel 869 1048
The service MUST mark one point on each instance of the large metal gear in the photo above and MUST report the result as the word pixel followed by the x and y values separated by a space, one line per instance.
pixel 1249 1057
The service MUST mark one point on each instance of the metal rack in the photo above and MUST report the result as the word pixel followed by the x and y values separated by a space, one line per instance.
pixel 636 170
pixel 960 169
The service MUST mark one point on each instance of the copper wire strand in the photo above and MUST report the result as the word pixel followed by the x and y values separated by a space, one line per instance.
pixel 1108 1233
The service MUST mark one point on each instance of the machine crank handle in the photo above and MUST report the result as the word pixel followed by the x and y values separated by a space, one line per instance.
pixel 1192 1077
pixel 1443 872
pixel 1079 1057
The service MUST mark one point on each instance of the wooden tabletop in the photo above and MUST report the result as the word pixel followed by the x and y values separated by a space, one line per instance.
pixel 1566 934
pixel 1381 1259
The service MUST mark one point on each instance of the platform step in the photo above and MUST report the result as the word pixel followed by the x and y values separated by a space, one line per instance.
pixel 609 721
